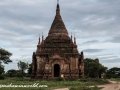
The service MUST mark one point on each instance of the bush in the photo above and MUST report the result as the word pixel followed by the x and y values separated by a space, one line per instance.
pixel 2 77
pixel 80 88
pixel 28 75
pixel 84 88
pixel 60 79
pixel 72 88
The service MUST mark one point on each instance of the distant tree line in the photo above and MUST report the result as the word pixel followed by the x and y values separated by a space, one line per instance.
pixel 21 72
pixel 113 72
pixel 22 66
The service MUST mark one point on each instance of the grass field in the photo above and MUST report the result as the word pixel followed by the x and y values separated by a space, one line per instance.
pixel 115 79
pixel 80 84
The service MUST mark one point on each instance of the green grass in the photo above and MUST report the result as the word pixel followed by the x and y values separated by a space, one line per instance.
pixel 115 79
pixel 80 84
pixel 84 88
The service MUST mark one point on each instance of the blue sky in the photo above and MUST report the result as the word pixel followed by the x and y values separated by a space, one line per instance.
pixel 95 23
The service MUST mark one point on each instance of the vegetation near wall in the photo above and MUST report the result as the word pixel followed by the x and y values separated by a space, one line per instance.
pixel 93 69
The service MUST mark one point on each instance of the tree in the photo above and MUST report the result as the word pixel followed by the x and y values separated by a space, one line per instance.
pixel 30 69
pixel 102 69
pixel 18 73
pixel 1 69
pixel 11 73
pixel 113 72
pixel 93 68
pixel 22 66
pixel 5 56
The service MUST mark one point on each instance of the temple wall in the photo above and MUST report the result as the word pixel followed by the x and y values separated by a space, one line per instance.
pixel 40 64
pixel 48 67
pixel 74 63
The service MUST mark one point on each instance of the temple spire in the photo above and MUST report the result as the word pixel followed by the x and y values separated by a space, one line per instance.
pixel 57 3
pixel 42 39
pixel 42 36
pixel 58 8
pixel 39 40
pixel 74 40
pixel 71 35
pixel 58 26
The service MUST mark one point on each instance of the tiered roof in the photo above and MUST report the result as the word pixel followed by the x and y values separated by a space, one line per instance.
pixel 57 40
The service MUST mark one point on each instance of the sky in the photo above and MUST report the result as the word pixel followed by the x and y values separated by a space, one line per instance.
pixel 95 23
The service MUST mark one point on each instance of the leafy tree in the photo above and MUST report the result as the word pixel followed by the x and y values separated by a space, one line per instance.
pixel 19 73
pixel 113 72
pixel 11 73
pixel 93 68
pixel 1 69
pixel 5 56
pixel 30 69
pixel 22 66
pixel 102 69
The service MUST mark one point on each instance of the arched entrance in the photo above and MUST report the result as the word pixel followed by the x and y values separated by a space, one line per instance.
pixel 56 70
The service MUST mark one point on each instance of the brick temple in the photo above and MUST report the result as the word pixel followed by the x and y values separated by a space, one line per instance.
pixel 57 55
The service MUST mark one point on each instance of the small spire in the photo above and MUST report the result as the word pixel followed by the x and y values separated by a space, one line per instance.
pixel 39 40
pixel 42 39
pixel 71 35
pixel 82 53
pixel 42 36
pixel 74 40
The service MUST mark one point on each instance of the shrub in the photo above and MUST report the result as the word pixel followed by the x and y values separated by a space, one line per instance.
pixel 84 88
pixel 80 88
pixel 2 77
pixel 28 75
pixel 60 79
pixel 72 88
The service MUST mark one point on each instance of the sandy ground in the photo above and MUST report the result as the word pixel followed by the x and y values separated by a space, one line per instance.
pixel 62 89
pixel 114 85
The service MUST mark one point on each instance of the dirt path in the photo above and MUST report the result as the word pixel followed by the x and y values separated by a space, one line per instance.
pixel 62 89
pixel 114 85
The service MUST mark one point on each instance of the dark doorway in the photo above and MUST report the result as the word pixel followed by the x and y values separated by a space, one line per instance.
pixel 56 70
